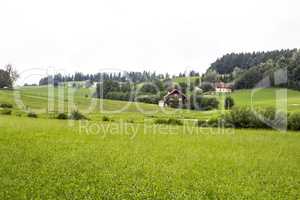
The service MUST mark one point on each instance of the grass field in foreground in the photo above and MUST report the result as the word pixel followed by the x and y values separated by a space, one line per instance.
pixel 48 159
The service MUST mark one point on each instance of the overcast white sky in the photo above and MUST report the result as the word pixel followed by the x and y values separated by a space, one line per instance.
pixel 157 35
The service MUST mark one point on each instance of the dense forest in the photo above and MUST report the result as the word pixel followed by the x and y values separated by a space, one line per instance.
pixel 245 70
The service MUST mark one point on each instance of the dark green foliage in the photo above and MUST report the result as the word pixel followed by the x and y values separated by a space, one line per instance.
pixel 32 115
pixel 153 99
pixel 62 116
pixel 106 87
pixel 5 111
pixel 294 121
pixel 106 119
pixel 242 117
pixel 170 121
pixel 207 87
pixel 249 79
pixel 228 62
pixel 5 79
pixel 6 105
pixel 249 69
pixel 135 77
pixel 8 76
pixel 110 89
pixel 149 88
pixel 245 117
pixel 202 123
pixel 198 102
pixel 76 115
pixel 118 96
pixel 182 86
pixel 229 102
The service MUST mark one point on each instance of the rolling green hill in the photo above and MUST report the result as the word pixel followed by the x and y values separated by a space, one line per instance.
pixel 36 99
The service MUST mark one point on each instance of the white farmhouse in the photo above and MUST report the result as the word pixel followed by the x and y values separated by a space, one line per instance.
pixel 222 88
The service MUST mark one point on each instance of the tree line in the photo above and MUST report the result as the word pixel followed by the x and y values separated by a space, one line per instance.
pixel 246 70
pixel 135 77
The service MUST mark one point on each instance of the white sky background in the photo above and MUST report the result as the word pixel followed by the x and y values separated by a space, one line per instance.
pixel 136 35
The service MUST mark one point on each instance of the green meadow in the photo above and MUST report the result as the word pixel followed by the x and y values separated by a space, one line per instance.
pixel 130 157
pixel 48 159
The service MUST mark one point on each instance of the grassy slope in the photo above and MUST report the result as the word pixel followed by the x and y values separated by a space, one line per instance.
pixel 267 97
pixel 36 98
pixel 47 159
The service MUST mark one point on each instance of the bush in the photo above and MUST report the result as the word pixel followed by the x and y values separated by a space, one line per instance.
pixel 169 121
pixel 199 102
pixel 229 102
pixel 6 105
pixel 5 112
pixel 32 114
pixel 202 123
pixel 123 96
pixel 76 115
pixel 106 119
pixel 62 116
pixel 153 99
pixel 294 121
pixel 242 117
pixel 206 87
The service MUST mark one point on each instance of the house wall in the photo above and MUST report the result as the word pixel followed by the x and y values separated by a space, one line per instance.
pixel 223 90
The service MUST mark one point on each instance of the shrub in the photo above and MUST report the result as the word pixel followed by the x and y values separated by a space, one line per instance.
pixel 199 102
pixel 241 117
pixel 153 99
pixel 32 114
pixel 294 121
pixel 202 123
pixel 106 119
pixel 76 115
pixel 5 112
pixel 62 116
pixel 123 96
pixel 207 87
pixel 244 117
pixel 6 105
pixel 169 121
pixel 229 102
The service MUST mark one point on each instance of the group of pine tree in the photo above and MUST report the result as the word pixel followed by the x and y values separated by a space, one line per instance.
pixel 247 70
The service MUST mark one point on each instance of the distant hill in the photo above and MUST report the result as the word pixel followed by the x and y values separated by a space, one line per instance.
pixel 248 69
